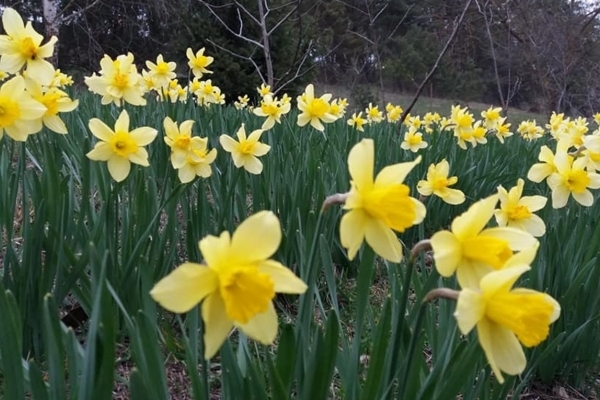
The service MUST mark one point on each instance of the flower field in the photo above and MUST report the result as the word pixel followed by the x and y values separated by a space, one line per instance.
pixel 284 247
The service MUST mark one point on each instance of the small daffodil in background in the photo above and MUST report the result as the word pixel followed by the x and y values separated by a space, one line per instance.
pixel 246 150
pixel 55 100
pixel 118 81
pixel 377 207
pixel 198 62
pixel 357 121
pixel 272 109
pixel 374 116
pixel 197 161
pixel 264 90
pixel 22 47
pixel 506 317
pixel 21 114
pixel 242 102
pixel 236 284
pixel 438 183
pixel 161 71
pixel 413 140
pixel 517 211
pixel 572 179
pixel 393 113
pixel 472 250
pixel 120 147
pixel 314 110
pixel 540 171
pixel 530 130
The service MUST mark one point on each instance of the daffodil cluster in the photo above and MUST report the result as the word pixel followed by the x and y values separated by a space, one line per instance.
pixel 488 261
pixel 31 95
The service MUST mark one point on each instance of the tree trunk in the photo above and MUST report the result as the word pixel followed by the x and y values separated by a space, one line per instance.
pixel 52 25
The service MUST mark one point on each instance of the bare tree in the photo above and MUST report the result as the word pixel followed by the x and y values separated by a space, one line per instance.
pixel 262 42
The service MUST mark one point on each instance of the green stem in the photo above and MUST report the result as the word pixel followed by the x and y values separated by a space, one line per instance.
pixel 397 334
pixel 411 350
pixel 228 198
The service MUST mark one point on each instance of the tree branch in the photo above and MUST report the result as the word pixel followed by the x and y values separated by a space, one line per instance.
pixel 435 66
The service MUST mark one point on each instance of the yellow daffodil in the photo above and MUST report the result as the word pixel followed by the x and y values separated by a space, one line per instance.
pixel 571 178
pixel 246 151
pixel 393 113
pixel 438 183
pixel 502 130
pixel 471 250
pixel 357 121
pixel 272 109
pixel 506 318
pixel 314 110
pixel 118 81
pixel 336 109
pixel 56 101
pixel 178 138
pixel 236 283
pixel 120 147
pixel 20 113
pixel 377 208
pixel 517 211
pixel 207 93
pixel 242 102
pixel 264 90
pixel 162 72
pixel 461 120
pixel 21 47
pixel 413 140
pixel 198 62
pixel 197 161
pixel 373 114
pixel 491 118
pixel 529 130
pixel 540 171
pixel 61 80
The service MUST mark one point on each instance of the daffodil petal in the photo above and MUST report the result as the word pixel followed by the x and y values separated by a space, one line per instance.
pixel 360 164
pixel 447 252
pixel 383 240
pixel 471 222
pixel 262 327
pixel 257 238
pixel 502 349
pixel 470 309
pixel 216 324
pixel 284 279
pixel 184 287
pixel 352 231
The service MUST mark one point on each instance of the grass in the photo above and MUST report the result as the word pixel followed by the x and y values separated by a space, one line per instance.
pixel 432 104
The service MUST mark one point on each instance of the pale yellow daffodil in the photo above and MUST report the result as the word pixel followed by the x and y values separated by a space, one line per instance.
pixel 236 283
pixel 438 183
pixel 246 150
pixel 377 207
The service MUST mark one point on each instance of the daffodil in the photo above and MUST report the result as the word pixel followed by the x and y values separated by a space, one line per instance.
pixel 56 101
pixel 242 102
pixel 471 250
pixel 272 109
pixel 198 62
pixel 393 113
pixel 20 113
pixel 161 71
pixel 21 47
pixel 357 121
pixel 314 110
pixel 178 138
pixel 438 183
pixel 246 150
pixel 505 317
pixel 413 140
pixel 377 208
pixel 529 130
pixel 120 147
pixel 572 179
pixel 264 90
pixel 503 130
pixel 198 160
pixel 236 283
pixel 540 171
pixel 373 114
pixel 118 81
pixel 517 211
